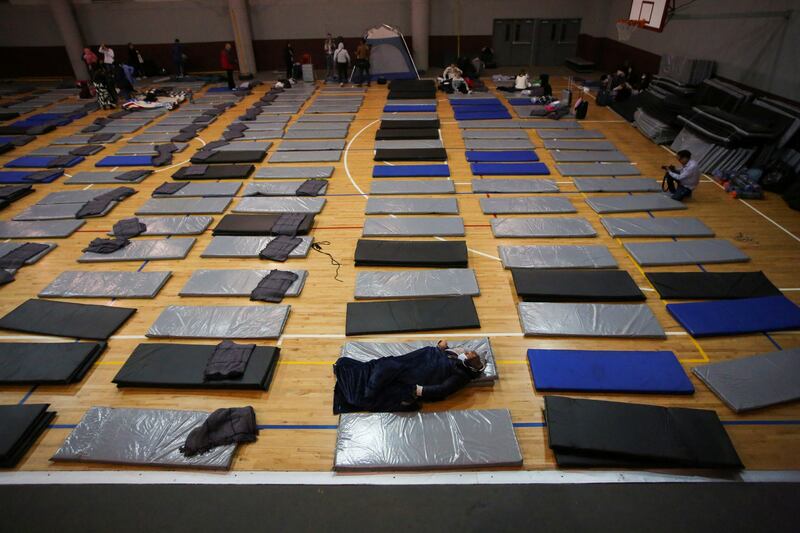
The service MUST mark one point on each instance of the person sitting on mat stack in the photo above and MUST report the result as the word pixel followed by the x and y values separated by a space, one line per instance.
pixel 682 182
pixel 401 383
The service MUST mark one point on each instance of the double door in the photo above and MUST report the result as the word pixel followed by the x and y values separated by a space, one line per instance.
pixel 545 42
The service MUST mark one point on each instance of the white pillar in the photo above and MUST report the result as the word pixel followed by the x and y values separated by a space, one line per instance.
pixel 71 34
pixel 243 36
pixel 420 31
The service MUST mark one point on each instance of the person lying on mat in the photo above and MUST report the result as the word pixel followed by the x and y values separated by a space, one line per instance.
pixel 682 182
pixel 401 383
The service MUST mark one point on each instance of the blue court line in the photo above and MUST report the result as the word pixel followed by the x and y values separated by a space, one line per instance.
pixel 27 395
pixel 773 341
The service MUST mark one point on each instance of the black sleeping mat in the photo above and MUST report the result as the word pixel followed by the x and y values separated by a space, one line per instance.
pixel 231 156
pixel 711 285
pixel 40 363
pixel 182 366
pixel 64 319
pixel 412 85
pixel 215 172
pixel 400 316
pixel 406 133
pixel 410 124
pixel 410 154
pixel 442 254
pixel 20 426
pixel 256 225
pixel 536 285
pixel 424 94
pixel 645 435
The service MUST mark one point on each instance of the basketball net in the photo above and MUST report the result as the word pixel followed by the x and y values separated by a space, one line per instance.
pixel 626 27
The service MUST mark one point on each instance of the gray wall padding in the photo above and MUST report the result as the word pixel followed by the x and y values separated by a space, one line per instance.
pixel 616 185
pixel 367 351
pixel 589 320
pixel 597 169
pixel 39 229
pixel 526 204
pixel 435 186
pixel 587 156
pixel 557 256
pixel 431 440
pixel 303 204
pixel 411 206
pixel 416 283
pixel 178 206
pixel 144 250
pixel 140 437
pixel 103 176
pixel 220 322
pixel 234 282
pixel 82 284
pixel 293 172
pixel 228 188
pixel 322 156
pixel 498 144
pixel 633 203
pixel 656 227
pixel 413 227
pixel 512 185
pixel 231 246
pixel 685 252
pixel 542 227
pixel 756 381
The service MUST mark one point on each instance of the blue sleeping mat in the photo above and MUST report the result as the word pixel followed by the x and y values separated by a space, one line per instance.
pixel 608 371
pixel 410 171
pixel 19 176
pixel 466 102
pixel 482 115
pixel 125 161
pixel 497 156
pixel 509 169
pixel 32 161
pixel 418 108
pixel 731 317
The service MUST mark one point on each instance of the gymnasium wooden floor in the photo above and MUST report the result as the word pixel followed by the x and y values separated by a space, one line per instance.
pixel 300 428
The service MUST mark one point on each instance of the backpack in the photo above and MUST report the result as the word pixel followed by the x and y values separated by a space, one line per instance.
pixel 778 177
pixel 604 98
pixel 581 110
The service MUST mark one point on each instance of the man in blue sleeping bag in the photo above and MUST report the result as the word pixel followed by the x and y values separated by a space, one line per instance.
pixel 401 383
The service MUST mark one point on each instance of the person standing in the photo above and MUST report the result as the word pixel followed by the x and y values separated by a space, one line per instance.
pixel 362 63
pixel 342 60
pixel 227 60
pixel 90 58
pixel 178 58
pixel 682 182
pixel 108 58
pixel 135 61
pixel 329 48
pixel 288 57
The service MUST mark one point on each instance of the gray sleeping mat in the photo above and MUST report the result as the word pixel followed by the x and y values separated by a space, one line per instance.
pixel 367 351
pixel 434 186
pixel 413 227
pixel 62 150
pixel 416 283
pixel 557 256
pixel 339 133
pixel 431 440
pixel 656 227
pixel 177 225
pixel 179 206
pixel 494 134
pixel 408 144
pixel 8 247
pixel 589 320
pixel 542 227
pixel 616 185
pixel 322 156
pixel 498 144
pixel 558 144
pixel 146 149
pixel 597 169
pixel 293 172
pixel 292 204
pixel 512 185
pixel 570 134
pixel 587 156
pixel 756 381
pixel 220 322
pixel 526 204
pixel 140 437
pixel 278 188
pixel 102 176
pixel 57 211
pixel 327 118
pixel 303 146
pixel 234 246
pixel 39 229
pixel 194 189
pixel 83 138
pixel 234 282
pixel 692 252
pixel 144 250
pixel 633 203
pixel 82 284
pixel 411 206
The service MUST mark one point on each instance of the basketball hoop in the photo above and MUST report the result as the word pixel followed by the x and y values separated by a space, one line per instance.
pixel 626 27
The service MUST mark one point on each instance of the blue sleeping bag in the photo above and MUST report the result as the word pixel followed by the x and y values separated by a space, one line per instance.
pixel 410 171
pixel 509 169
pixel 655 372
pixel 733 317
pixel 468 102
pixel 125 161
pixel 413 108
pixel 497 156
pixel 482 115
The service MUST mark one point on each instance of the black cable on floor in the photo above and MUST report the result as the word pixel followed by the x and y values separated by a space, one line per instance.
pixel 318 247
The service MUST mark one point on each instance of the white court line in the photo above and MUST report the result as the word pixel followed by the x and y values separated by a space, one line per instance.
pixel 171 166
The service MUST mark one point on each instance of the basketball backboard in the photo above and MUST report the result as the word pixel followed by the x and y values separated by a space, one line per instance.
pixel 652 12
